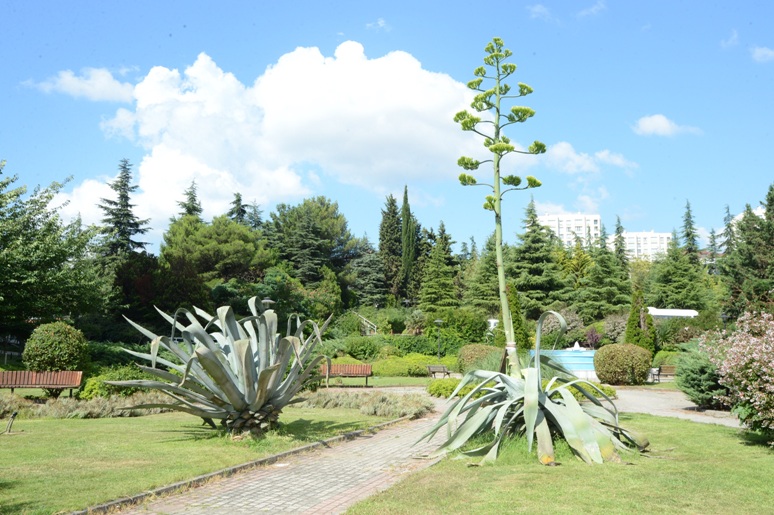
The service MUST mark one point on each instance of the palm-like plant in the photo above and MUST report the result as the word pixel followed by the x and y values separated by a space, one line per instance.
pixel 238 371
pixel 518 403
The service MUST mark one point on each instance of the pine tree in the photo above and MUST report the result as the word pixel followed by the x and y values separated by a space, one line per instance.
pixel 410 235
pixel 238 211
pixel 713 252
pixel 390 246
pixel 675 282
pixel 437 289
pixel 121 225
pixel 191 205
pixel 253 216
pixel 481 284
pixel 690 237
pixel 535 271
pixel 729 233
pixel 606 288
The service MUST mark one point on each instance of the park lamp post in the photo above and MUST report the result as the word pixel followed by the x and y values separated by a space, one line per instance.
pixel 438 322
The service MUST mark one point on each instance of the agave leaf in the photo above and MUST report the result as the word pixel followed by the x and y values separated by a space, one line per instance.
pixel 531 402
pixel 246 369
pixel 557 413
pixel 466 430
pixel 222 376
pixel 173 321
pixel 283 358
pixel 165 387
pixel 582 424
pixel 148 334
pixel 262 389
pixel 545 446
pixel 291 386
pixel 190 383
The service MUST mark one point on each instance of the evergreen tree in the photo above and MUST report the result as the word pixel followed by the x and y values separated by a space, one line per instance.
pixel 748 269
pixel 729 233
pixel 368 282
pixel 536 273
pixel 713 253
pixel 675 282
pixel 437 290
pixel 191 205
pixel 121 225
pixel 520 331
pixel 639 326
pixel 619 244
pixel 410 235
pixel 690 237
pixel 606 288
pixel 238 211
pixel 481 287
pixel 390 246
pixel 253 216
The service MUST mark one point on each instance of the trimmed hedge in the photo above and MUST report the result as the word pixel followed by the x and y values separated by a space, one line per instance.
pixel 622 363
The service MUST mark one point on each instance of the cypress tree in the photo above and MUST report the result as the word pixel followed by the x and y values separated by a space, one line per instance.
pixel 390 246
pixel 619 244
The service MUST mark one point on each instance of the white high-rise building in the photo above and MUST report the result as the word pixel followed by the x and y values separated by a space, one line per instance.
pixel 643 245
pixel 569 226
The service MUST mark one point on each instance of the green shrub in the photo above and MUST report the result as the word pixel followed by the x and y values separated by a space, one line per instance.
pixel 444 387
pixel 606 389
pixel 698 378
pixel 622 363
pixel 96 387
pixel 389 351
pixel 420 344
pixel 332 348
pixel 666 357
pixel 363 348
pixel 346 360
pixel 470 354
pixel 467 324
pixel 53 347
pixel 390 367
pixel 491 361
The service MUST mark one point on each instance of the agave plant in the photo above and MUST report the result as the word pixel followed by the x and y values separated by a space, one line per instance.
pixel 238 371
pixel 518 404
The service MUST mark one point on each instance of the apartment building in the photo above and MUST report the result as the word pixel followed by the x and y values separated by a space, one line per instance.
pixel 643 245
pixel 569 226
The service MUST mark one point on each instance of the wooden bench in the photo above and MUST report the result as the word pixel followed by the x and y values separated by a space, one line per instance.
pixel 52 380
pixel 438 369
pixel 666 371
pixel 346 370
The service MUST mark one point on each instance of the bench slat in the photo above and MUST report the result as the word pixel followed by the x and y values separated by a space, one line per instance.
pixel 31 379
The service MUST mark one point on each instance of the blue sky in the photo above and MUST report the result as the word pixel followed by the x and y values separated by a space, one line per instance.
pixel 643 105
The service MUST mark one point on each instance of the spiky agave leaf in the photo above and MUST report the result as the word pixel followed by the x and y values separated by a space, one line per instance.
pixel 517 404
pixel 239 371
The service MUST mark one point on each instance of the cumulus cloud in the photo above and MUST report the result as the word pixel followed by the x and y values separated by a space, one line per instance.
pixel 595 9
pixel 376 123
pixel 660 125
pixel 762 54
pixel 97 84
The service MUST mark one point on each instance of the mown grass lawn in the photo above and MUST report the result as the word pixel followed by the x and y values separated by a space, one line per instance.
pixel 693 468
pixel 55 465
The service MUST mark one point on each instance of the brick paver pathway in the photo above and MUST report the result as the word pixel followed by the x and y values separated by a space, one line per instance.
pixel 321 481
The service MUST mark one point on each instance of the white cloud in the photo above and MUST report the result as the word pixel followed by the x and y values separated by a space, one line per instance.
pixel 378 25
pixel 595 9
pixel 563 156
pixel 731 41
pixel 374 123
pixel 660 125
pixel 539 12
pixel 97 84
pixel 550 208
pixel 762 54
